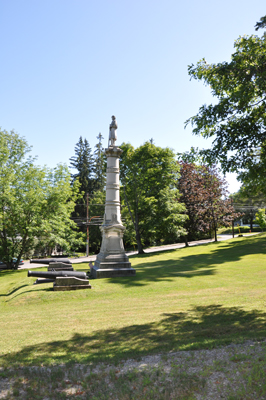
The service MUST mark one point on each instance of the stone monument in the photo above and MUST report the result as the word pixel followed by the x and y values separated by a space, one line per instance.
pixel 112 260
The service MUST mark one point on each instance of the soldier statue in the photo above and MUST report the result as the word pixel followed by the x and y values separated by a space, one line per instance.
pixel 112 132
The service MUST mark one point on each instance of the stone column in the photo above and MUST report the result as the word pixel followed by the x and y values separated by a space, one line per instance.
pixel 112 260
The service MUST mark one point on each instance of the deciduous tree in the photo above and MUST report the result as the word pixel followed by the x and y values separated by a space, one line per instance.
pixel 35 202
pixel 261 218
pixel 204 193
pixel 237 121
pixel 148 175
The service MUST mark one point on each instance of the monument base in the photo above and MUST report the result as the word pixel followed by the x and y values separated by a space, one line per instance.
pixel 109 272
pixel 112 260
pixel 112 265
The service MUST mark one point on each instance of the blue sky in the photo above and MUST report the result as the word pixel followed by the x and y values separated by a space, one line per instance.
pixel 68 65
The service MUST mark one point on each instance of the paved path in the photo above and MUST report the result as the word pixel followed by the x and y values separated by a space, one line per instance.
pixel 28 265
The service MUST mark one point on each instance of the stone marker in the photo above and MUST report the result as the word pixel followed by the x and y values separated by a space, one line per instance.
pixel 112 260
pixel 71 283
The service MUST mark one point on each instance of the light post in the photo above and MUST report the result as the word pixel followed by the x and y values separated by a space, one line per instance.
pixel 88 236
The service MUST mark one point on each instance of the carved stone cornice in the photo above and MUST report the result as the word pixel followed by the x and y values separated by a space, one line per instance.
pixel 113 151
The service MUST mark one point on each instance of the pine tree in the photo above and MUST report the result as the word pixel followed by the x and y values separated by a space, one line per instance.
pixel 99 165
pixel 83 163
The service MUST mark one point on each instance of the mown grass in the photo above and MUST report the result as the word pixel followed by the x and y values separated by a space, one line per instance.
pixel 190 298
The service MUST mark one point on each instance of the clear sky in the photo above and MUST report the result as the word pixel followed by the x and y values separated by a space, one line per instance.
pixel 68 65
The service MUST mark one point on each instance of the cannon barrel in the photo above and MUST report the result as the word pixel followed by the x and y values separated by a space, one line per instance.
pixel 55 274
pixel 50 260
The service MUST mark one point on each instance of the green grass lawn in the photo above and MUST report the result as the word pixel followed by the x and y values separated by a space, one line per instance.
pixel 190 298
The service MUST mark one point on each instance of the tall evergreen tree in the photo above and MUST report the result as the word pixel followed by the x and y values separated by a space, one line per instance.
pixel 99 164
pixel 83 163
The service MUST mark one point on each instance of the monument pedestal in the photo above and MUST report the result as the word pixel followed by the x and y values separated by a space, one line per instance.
pixel 112 260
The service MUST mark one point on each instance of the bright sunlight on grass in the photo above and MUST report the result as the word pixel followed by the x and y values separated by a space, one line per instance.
pixel 189 298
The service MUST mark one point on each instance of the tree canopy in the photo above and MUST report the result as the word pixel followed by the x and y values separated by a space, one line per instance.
pixel 35 202
pixel 237 121
pixel 261 23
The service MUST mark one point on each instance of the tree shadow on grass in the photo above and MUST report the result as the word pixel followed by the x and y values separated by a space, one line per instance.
pixel 190 266
pixel 202 327
pixel 5 272
pixel 13 291
pixel 9 298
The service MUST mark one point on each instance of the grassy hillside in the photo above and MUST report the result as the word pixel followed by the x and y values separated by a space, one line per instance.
pixel 198 297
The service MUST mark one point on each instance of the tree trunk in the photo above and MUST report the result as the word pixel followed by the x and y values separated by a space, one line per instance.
pixel 215 234
pixel 138 237
pixel 140 248
pixel 251 223
pixel 6 260
pixel 214 224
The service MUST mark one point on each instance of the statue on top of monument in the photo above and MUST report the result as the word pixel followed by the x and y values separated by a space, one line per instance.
pixel 112 132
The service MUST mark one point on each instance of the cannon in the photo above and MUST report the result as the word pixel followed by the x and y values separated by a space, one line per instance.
pixel 63 280
pixel 58 274
pixel 50 260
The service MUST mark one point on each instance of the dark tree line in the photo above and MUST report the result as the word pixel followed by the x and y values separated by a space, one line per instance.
pixel 90 166
pixel 89 169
